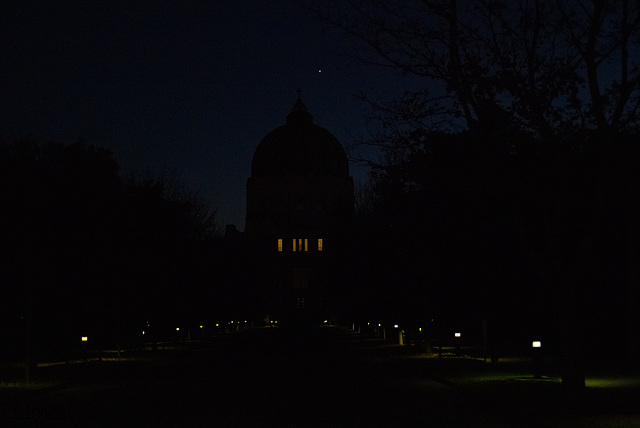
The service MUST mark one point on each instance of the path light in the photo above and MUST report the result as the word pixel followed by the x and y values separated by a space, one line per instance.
pixel 537 363
pixel 84 348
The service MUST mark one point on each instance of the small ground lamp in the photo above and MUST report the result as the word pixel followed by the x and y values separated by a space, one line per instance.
pixel 457 338
pixel 381 331
pixel 84 339
pixel 536 346
pixel 400 335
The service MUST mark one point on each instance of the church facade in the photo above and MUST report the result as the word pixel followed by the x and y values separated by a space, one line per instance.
pixel 300 202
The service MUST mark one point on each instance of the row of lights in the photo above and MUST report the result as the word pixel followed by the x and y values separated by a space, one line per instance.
pixel 534 344
pixel 86 339
pixel 217 324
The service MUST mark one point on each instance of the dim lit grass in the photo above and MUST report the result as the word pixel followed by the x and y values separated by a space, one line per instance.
pixel 499 376
pixel 519 398
pixel 613 382
pixel 8 388
pixel 602 381
pixel 28 386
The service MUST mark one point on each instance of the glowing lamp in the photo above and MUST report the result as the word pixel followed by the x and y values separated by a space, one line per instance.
pixel 395 326
pixel 536 344
pixel 84 338
pixel 177 328
pixel 457 334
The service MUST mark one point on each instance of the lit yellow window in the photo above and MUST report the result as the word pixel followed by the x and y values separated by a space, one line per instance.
pixel 320 244
pixel 279 244
pixel 300 244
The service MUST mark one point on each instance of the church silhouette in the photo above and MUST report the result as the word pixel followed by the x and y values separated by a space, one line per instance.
pixel 300 203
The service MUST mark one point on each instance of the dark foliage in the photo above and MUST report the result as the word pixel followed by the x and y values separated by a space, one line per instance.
pixel 515 160
pixel 86 253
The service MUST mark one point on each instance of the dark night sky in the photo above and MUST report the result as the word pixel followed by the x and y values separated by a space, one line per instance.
pixel 191 86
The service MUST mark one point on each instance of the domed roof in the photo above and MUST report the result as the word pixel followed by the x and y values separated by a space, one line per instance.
pixel 300 148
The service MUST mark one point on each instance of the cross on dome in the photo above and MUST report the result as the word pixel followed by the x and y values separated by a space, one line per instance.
pixel 299 112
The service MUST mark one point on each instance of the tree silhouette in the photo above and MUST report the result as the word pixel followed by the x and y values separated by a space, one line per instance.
pixel 556 81
pixel 86 251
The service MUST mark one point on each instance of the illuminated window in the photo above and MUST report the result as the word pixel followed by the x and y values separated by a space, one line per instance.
pixel 279 244
pixel 300 244
pixel 320 244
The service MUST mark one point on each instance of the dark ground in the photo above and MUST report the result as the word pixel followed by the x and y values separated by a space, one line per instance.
pixel 325 377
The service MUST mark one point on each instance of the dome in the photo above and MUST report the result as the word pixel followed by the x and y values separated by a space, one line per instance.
pixel 300 148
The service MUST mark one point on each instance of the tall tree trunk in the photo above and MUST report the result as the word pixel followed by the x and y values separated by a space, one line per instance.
pixel 633 263
pixel 571 327
pixel 633 295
